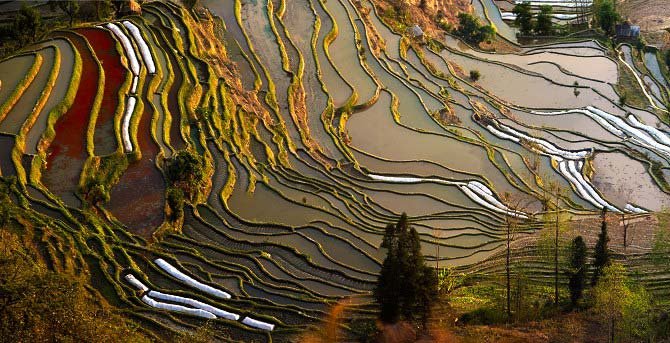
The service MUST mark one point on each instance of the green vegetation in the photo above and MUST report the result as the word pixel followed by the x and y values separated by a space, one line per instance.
pixel 524 17
pixel 577 271
pixel 41 305
pixel 407 287
pixel 601 255
pixel 606 15
pixel 474 75
pixel 472 31
pixel 543 25
pixel 69 7
pixel 624 308
pixel 27 24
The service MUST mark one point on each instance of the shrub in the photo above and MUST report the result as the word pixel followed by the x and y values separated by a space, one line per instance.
pixel 524 17
pixel 472 31
pixel 474 75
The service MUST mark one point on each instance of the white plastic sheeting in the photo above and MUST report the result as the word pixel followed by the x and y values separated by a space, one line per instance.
pixel 547 147
pixel 125 127
pixel 142 45
pixel 135 282
pixel 501 134
pixel 194 303
pixel 634 209
pixel 258 324
pixel 174 272
pixel 475 190
pixel 133 88
pixel 127 46
pixel 654 132
pixel 177 308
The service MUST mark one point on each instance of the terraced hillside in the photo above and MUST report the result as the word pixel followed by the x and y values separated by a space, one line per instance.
pixel 316 126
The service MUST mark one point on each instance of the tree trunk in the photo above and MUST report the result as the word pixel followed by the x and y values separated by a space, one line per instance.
pixel 556 254
pixel 507 262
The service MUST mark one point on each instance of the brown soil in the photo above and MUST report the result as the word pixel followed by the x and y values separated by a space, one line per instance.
pixel 653 17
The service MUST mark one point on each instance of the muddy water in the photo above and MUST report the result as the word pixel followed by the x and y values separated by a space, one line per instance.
pixel 651 62
pixel 344 54
pixel 623 180
pixel 57 93
pixel 298 15
pixel 24 107
pixel 67 152
pixel 13 70
pixel 337 87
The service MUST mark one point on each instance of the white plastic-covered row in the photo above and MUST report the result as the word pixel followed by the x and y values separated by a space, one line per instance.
pixel 258 324
pixel 133 88
pixel 135 282
pixel 572 172
pixel 174 272
pixel 501 134
pixel 631 131
pixel 651 137
pixel 475 190
pixel 178 308
pixel 656 133
pixel 559 16
pixel 142 45
pixel 194 303
pixel 487 200
pixel 125 127
pixel 634 209
pixel 547 147
pixel 127 47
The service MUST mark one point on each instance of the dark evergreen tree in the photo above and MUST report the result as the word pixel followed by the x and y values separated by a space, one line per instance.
pixel 524 17
pixel 543 25
pixel 577 273
pixel 406 287
pixel 601 257
pixel 27 23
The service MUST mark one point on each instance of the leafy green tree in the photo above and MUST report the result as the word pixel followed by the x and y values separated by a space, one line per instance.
pixel 524 17
pixel 472 31
pixel 606 15
pixel 69 7
pixel 601 257
pixel 468 26
pixel 624 309
pixel 27 23
pixel 486 33
pixel 577 272
pixel 544 25
pixel 406 285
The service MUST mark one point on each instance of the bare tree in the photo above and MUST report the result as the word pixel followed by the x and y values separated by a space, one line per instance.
pixel 516 203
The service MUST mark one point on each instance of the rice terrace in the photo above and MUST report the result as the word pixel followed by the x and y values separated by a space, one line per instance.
pixel 335 170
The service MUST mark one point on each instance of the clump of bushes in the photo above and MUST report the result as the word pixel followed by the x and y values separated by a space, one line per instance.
pixel 470 29
pixel 474 75
pixel 184 173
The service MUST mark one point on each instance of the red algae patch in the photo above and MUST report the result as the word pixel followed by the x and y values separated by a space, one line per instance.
pixel 67 152
pixel 104 46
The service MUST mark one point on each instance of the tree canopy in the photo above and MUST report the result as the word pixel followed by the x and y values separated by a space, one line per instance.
pixel 577 272
pixel 472 31
pixel 606 15
pixel 524 17
pixel 601 257
pixel 406 287
pixel 543 25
